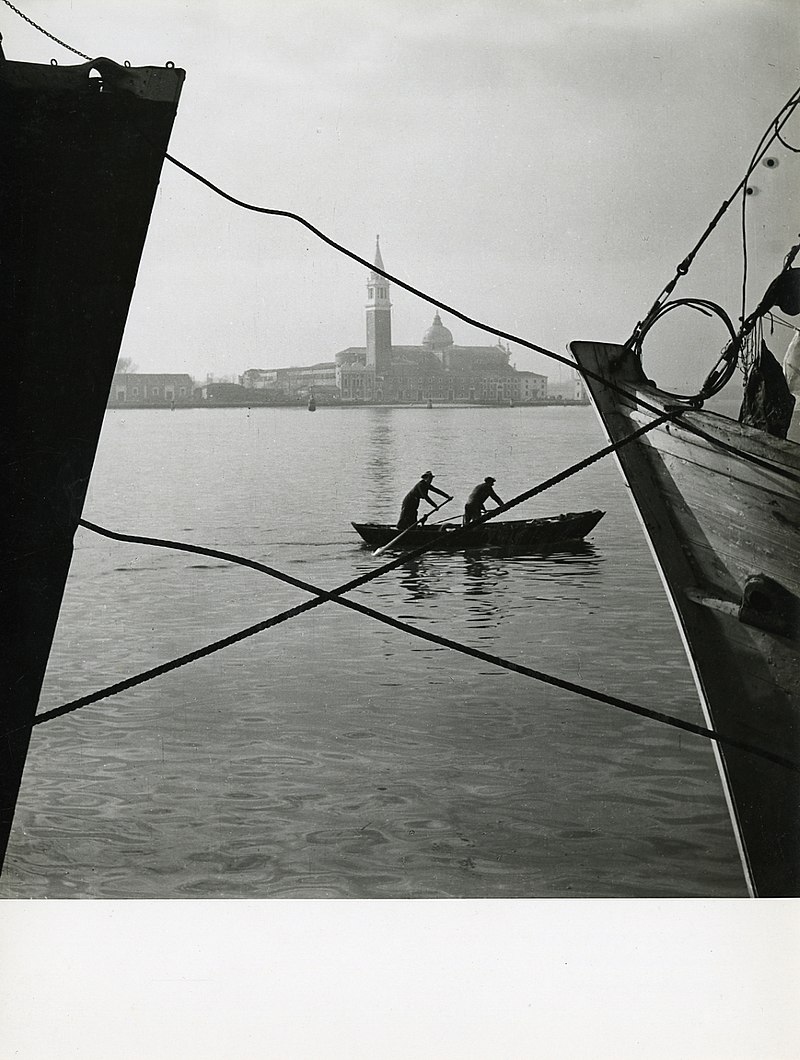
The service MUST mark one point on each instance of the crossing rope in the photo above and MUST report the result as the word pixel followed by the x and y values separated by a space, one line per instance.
pixel 324 595
pixel 726 364
pixel 336 596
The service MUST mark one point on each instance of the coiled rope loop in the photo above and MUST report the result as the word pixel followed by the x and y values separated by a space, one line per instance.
pixel 725 367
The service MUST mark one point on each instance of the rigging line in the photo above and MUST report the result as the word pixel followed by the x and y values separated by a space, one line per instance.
pixel 745 257
pixel 760 152
pixel 41 29
pixel 554 480
pixel 323 596
pixel 785 113
pixel 173 664
pixel 586 373
pixel 509 336
pixel 446 642
pixel 148 675
pixel 763 146
pixel 474 322
pixel 341 249
pixel 785 323
pixel 781 119
pixel 786 143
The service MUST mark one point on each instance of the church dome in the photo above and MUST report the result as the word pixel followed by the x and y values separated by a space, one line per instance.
pixel 437 337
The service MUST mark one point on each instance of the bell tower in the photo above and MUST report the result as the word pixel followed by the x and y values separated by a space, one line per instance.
pixel 379 318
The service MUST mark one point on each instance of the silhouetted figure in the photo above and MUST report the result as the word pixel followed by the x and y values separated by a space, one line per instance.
pixel 474 508
pixel 409 512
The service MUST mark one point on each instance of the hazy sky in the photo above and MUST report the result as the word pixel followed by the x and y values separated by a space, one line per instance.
pixel 543 165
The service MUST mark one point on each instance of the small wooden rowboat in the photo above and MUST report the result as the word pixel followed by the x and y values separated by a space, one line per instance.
pixel 512 535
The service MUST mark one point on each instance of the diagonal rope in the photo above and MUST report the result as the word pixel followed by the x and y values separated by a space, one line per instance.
pixel 694 401
pixel 509 336
pixel 336 596
pixel 324 596
pixel 271 211
pixel 354 583
pixel 768 137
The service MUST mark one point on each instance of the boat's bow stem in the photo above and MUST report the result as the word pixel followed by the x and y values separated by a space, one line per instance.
pixel 720 506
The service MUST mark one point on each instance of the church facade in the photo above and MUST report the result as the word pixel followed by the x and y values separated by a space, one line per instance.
pixel 438 370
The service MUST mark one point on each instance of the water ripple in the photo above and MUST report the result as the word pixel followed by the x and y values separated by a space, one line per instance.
pixel 331 757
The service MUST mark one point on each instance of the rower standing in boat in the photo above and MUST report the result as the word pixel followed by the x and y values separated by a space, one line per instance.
pixel 409 512
pixel 474 508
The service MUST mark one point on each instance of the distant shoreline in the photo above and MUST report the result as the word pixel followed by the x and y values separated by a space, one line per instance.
pixel 302 407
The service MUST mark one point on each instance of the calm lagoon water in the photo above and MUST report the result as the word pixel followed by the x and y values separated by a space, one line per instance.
pixel 335 757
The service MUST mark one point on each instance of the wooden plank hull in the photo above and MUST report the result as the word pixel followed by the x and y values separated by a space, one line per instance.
pixel 79 170
pixel 721 510
pixel 512 535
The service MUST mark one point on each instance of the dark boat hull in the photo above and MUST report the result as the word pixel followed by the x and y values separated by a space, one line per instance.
pixel 721 512
pixel 79 170
pixel 517 535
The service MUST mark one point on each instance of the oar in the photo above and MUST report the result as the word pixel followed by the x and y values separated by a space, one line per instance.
pixel 382 549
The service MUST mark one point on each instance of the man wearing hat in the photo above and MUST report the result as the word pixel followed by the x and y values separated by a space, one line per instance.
pixel 474 509
pixel 409 512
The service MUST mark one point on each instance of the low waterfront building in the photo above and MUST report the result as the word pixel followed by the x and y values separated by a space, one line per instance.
pixel 227 394
pixel 261 379
pixel 295 382
pixel 139 390
pixel 299 381
pixel 571 389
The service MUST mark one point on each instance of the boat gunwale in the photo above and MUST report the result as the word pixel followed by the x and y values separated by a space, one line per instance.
pixel 701 422
pixel 543 521
pixel 736 447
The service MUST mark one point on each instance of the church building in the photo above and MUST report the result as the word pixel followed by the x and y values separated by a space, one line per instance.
pixel 437 371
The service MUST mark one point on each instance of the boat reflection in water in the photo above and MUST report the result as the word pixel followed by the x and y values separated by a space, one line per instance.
pixel 471 579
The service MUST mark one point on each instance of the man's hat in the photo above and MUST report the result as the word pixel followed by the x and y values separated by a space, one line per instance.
pixel 426 474
pixel 489 479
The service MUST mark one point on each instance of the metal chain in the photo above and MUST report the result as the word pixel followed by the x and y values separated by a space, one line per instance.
pixel 41 29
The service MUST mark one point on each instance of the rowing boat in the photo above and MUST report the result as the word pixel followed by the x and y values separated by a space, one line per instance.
pixel 512 535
